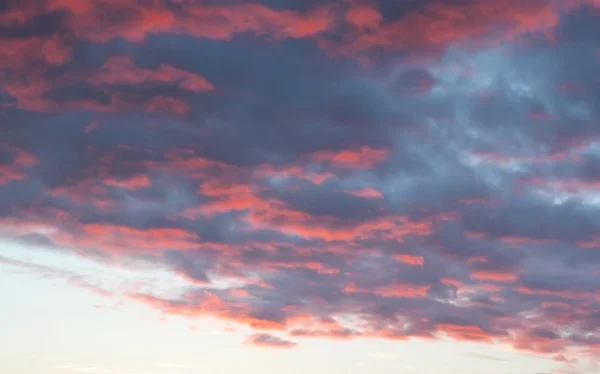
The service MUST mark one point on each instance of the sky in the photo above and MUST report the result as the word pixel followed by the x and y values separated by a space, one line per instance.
pixel 300 186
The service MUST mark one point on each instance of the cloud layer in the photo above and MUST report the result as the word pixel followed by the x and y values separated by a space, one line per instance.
pixel 332 169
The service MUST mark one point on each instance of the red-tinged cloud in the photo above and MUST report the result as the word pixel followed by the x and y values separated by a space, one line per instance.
pixel 472 333
pixel 213 21
pixel 121 70
pixel 210 304
pixel 367 192
pixel 19 161
pixel 540 340
pixel 294 171
pixel 499 276
pixel 361 158
pixel 363 15
pixel 167 105
pixel 36 97
pixel 135 182
pixel 400 290
pixel 111 239
pixel 116 71
pixel 143 239
pixel 594 243
pixel 410 259
pixel 563 293
pixel 269 341
pixel 303 225
pixel 440 24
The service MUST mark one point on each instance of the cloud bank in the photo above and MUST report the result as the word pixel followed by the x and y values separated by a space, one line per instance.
pixel 331 169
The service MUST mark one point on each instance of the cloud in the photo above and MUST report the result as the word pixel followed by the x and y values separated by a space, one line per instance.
pixel 121 70
pixel 14 162
pixel 270 341
pixel 334 170
pixel 360 158
pixel 73 279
